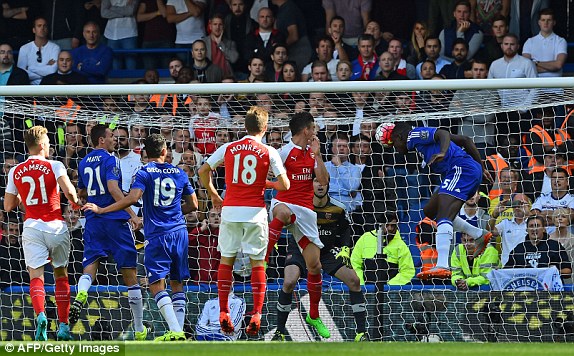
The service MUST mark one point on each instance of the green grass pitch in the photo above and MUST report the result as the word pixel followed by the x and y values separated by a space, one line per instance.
pixel 317 348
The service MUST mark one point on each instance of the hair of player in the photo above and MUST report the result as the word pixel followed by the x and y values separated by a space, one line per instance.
pixel 401 129
pixel 153 145
pixel 98 131
pixel 300 121
pixel 256 120
pixel 34 136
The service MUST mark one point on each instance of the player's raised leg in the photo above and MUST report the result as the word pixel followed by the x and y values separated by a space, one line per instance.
pixel 84 284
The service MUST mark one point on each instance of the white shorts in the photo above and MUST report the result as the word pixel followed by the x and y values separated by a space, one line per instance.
pixel 248 237
pixel 39 246
pixel 305 223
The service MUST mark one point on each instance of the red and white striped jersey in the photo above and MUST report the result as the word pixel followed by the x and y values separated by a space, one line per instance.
pixel 247 162
pixel 300 165
pixel 36 181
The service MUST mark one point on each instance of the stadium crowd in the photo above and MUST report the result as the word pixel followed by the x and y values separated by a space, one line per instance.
pixel 529 208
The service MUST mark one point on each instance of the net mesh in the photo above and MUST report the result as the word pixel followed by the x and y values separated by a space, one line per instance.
pixel 497 120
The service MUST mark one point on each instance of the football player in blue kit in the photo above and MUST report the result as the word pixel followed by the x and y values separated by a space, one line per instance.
pixel 162 187
pixel 457 159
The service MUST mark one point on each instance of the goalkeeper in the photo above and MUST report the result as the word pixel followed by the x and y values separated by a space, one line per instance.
pixel 335 234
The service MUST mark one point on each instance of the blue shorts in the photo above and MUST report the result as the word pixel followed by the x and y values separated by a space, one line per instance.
pixel 167 255
pixel 463 179
pixel 104 237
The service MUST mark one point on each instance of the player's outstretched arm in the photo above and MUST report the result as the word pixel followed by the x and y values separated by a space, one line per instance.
pixel 190 203
pixel 69 190
pixel 118 195
pixel 468 144
pixel 282 183
pixel 11 201
pixel 205 177
pixel 127 201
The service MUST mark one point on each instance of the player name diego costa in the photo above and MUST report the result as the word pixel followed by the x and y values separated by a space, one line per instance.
pixel 164 170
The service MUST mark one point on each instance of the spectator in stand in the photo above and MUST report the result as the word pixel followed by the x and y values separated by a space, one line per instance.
pixel 291 22
pixel 64 75
pixel 344 176
pixel 401 65
pixel 355 12
pixel 462 27
pixel 92 13
pixel 256 67
pixel 547 50
pixel 187 15
pixel 511 231
pixel 202 126
pixel 204 71
pixel 180 142
pixel 260 42
pixel 319 72
pixel 513 65
pixel 121 30
pixel 524 18
pixel 460 68
pixel 289 72
pixel 342 51
pixel 506 185
pixel 439 15
pixel 10 74
pixel 484 12
pixel 94 59
pixel 156 32
pixel 130 161
pixel 492 49
pixel 74 148
pixel 538 251
pixel 344 70
pixel 221 51
pixel 563 233
pixel 325 49
pixel 39 57
pixel 13 271
pixel 278 57
pixel 66 18
pixel 428 70
pixel 151 76
pixel 481 126
pixel 238 27
pixel 18 19
pixel 174 66
pixel 470 264
pixel 432 51
pixel 387 68
pixel 72 219
pixel 559 198
pixel 138 133
pixel 381 44
pixel 366 65
pixel 203 254
pixel 396 21
pixel 416 45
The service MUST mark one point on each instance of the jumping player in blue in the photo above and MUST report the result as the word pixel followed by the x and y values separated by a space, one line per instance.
pixel 458 161
pixel 99 182
pixel 162 187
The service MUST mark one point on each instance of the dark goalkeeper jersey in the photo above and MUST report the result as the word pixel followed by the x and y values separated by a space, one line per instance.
pixel 333 224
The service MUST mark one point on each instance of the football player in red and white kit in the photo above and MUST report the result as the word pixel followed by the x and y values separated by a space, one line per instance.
pixel 244 224
pixel 294 207
pixel 35 184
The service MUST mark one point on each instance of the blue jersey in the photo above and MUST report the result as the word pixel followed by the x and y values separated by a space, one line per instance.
pixel 94 172
pixel 422 140
pixel 163 186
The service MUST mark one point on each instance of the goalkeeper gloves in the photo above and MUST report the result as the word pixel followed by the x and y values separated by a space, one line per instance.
pixel 345 256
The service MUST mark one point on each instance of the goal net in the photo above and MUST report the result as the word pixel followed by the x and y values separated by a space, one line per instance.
pixel 524 124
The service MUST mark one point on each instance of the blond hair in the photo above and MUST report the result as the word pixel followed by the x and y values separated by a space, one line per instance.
pixel 34 136
pixel 256 120
pixel 561 211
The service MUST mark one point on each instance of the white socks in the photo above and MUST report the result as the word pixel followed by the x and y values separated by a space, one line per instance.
pixel 85 282
pixel 178 300
pixel 165 307
pixel 136 305
pixel 459 224
pixel 444 236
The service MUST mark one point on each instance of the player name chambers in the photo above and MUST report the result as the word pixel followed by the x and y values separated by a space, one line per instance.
pixel 60 349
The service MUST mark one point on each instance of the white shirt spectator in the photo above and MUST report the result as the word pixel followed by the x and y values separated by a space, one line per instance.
pixel 129 165
pixel 121 19
pixel 517 67
pixel 549 202
pixel 440 62
pixel 29 55
pixel 190 29
pixel 208 327
pixel 546 49
pixel 511 234
pixel 331 66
